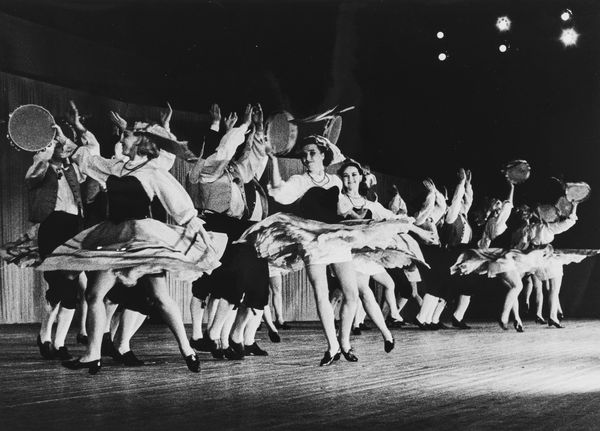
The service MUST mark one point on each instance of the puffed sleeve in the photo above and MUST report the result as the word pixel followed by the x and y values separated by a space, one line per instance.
pixel 289 191
pixel 172 196
pixel 344 205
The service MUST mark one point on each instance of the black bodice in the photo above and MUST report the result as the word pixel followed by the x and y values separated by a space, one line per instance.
pixel 127 199
pixel 319 204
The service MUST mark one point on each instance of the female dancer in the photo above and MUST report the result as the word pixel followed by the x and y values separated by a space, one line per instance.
pixel 129 244
pixel 353 205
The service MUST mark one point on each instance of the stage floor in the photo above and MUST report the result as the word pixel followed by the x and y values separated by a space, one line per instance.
pixel 484 378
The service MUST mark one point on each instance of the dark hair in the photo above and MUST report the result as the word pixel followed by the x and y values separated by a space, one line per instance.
pixel 147 147
pixel 326 151
pixel 67 128
pixel 362 187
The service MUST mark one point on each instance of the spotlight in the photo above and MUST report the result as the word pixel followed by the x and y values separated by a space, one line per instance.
pixel 569 37
pixel 442 56
pixel 502 48
pixel 440 34
pixel 503 23
pixel 566 15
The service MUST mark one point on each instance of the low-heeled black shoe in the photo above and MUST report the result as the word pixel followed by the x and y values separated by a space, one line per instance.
pixel 192 362
pixel 518 326
pixel 555 324
pixel 254 350
pixel 350 356
pixel 395 323
pixel 274 336
pixel 130 360
pixel 420 324
pixel 63 354
pixel 356 330
pixel 215 351
pixel 540 320
pixel 364 327
pixel 440 325
pixel 201 344
pixel 92 366
pixel 46 349
pixel 503 325
pixel 460 324
pixel 328 359
pixel 235 351
pixel 388 346
pixel 82 339
pixel 285 326
pixel 560 316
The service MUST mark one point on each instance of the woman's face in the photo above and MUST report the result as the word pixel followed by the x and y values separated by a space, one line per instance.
pixel 312 158
pixel 351 178
pixel 129 142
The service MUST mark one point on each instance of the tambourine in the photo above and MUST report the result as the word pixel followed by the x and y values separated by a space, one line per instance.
pixel 30 128
pixel 282 134
pixel 333 128
pixel 577 192
pixel 517 171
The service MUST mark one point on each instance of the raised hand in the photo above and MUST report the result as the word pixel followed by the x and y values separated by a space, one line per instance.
pixel 230 121
pixel 118 121
pixel 165 118
pixel 215 113
pixel 468 175
pixel 429 185
pixel 247 119
pixel 258 118
pixel 462 175
pixel 74 117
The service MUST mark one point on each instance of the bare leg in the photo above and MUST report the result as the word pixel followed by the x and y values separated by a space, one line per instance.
pixel 555 284
pixel 130 322
pixel 515 285
pixel 63 323
pixel 170 313
pixel 222 313
pixel 415 293
pixel 268 319
pixel 100 282
pixel 197 312
pixel 539 296
pixel 371 307
pixel 226 329
pixel 389 287
pixel 82 304
pixel 318 280
pixel 242 317
pixel 347 277
pixel 213 304
pixel 528 287
pixel 276 284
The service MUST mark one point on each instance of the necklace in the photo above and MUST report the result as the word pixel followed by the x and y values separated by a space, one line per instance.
pixel 132 170
pixel 320 182
pixel 354 204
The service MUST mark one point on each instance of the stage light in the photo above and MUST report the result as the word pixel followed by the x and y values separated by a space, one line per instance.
pixel 442 56
pixel 502 48
pixel 440 34
pixel 503 23
pixel 566 15
pixel 569 37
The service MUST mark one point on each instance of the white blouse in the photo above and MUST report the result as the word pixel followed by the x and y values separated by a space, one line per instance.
pixel 297 185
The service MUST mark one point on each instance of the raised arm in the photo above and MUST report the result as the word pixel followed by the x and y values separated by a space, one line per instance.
pixel 37 171
pixel 397 204
pixel 425 212
pixel 457 198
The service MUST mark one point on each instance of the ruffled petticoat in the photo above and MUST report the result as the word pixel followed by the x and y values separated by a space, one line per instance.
pixel 404 253
pixel 134 248
pixel 290 242
pixel 543 262
pixel 23 251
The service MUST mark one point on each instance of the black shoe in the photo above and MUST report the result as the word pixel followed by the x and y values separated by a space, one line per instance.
pixel 201 344
pixel 440 325
pixel 235 351
pixel 560 316
pixel 274 336
pixel 92 366
pixel 555 324
pixel 518 326
pixel 388 346
pixel 46 349
pixel 364 327
pixel 540 320
pixel 350 356
pixel 63 354
pixel 214 350
pixel 254 350
pixel 283 326
pixel 192 362
pixel 82 339
pixel 130 360
pixel 503 325
pixel 356 330
pixel 460 324
pixel 328 359
pixel 394 323
pixel 432 326
pixel 108 348
pixel 421 325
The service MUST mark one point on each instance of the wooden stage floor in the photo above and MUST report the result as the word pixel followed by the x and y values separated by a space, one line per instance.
pixel 485 378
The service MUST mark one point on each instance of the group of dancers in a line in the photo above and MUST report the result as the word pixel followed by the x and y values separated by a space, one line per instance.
pixel 102 239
